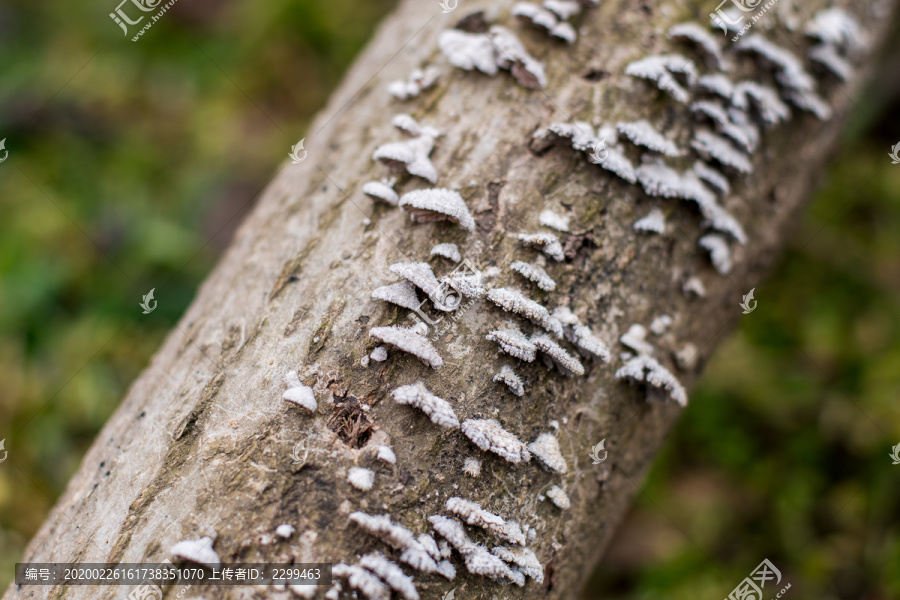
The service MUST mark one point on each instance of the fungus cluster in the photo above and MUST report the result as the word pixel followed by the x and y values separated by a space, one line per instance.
pixel 491 52
pixel 418 81
pixel 553 16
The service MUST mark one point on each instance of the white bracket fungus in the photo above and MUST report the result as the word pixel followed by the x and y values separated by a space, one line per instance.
pixel 662 69
pixel 512 381
pixel 408 340
pixel 827 56
pixel 546 19
pixel 564 9
pixel 694 287
pixel 498 49
pixel 719 252
pixel 386 454
pixel 285 530
pixel 468 51
pixel 712 146
pixel 659 180
pixel 490 436
pixel 716 83
pixel 635 338
pixel 838 28
pixel 602 149
pixel 514 342
pixel 361 479
pixel 746 137
pixel 447 250
pixel 660 324
pixel 481 562
pixel 559 497
pixel 512 56
pixel 398 537
pixel 534 274
pixel 198 551
pixel 411 155
pixel 654 222
pixel 712 176
pixel 546 449
pixel 423 277
pixel 550 219
pixel 566 363
pixel 789 71
pixel 299 394
pixel 514 302
pixel 523 558
pixel 452 531
pixel 411 127
pixel 586 341
pixel 382 191
pixel 648 370
pixel 437 204
pixel 545 242
pixel 379 354
pixel 473 514
pixel 708 45
pixel 418 81
pixel 770 107
pixel 368 584
pixel 472 467
pixel 437 409
pixel 642 133
pixel 810 102
pixel 402 294
pixel 391 574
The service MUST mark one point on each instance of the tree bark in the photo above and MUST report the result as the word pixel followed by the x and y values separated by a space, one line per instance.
pixel 202 443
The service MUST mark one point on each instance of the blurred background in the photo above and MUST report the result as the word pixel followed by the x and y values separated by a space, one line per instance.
pixel 131 163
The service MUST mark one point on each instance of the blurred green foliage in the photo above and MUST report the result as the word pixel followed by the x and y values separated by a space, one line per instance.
pixel 131 163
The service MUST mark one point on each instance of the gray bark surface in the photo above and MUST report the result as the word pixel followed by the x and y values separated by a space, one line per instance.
pixel 202 443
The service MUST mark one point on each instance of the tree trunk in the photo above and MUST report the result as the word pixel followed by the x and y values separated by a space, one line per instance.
pixel 202 444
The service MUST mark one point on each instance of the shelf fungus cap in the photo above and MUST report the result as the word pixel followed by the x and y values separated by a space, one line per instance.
pixel 648 370
pixel 437 409
pixel 437 204
pixel 447 250
pixel 473 514
pixel 382 192
pixel 299 394
pixel 490 436
pixel 409 341
pixel 402 294
pixel 567 363
pixel 514 342
pixel 546 449
pixel 198 551
pixel 642 133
